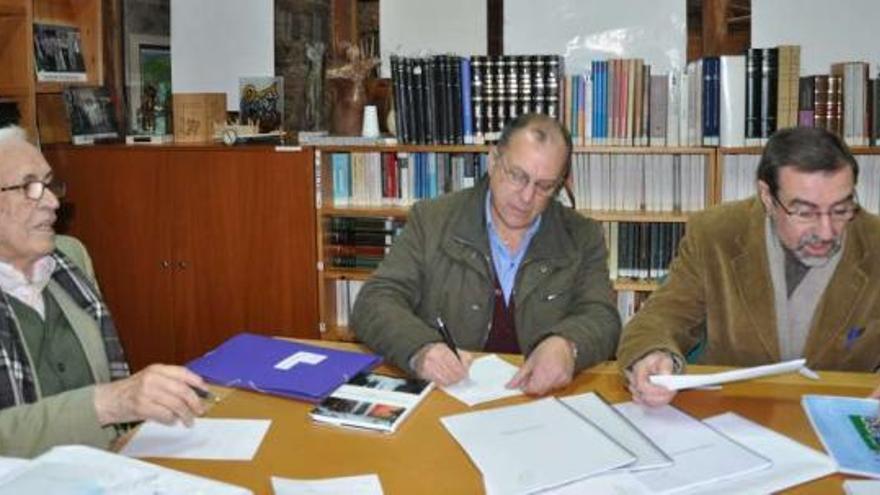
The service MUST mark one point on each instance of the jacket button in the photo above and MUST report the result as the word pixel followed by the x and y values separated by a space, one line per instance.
pixel 543 268
pixel 475 307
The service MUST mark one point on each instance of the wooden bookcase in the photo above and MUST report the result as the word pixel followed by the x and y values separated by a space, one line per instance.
pixel 17 60
pixel 329 276
pixel 739 165
pixel 40 103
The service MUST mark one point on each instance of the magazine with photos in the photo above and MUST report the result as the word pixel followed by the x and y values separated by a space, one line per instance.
pixel 91 114
pixel 58 54
pixel 372 401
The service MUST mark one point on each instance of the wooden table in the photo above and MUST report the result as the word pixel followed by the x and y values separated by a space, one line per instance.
pixel 421 457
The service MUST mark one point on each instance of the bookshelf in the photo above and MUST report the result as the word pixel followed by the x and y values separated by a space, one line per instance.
pixel 40 103
pixel 737 168
pixel 337 285
pixel 16 58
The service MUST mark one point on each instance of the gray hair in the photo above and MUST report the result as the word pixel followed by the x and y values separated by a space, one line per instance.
pixel 12 133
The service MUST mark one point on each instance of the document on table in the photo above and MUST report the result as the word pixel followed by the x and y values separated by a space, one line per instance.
pixel 861 487
pixel 701 454
pixel 208 438
pixel 680 382
pixel 76 469
pixel 486 381
pixel 594 409
pixel 350 485
pixel 534 446
pixel 792 462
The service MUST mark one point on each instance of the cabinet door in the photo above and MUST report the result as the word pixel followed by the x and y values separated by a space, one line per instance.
pixel 116 207
pixel 244 221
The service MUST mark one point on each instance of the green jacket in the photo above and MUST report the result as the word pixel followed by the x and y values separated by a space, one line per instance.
pixel 441 265
pixel 719 298
pixel 68 417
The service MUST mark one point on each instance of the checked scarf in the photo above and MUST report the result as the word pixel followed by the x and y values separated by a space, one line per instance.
pixel 16 376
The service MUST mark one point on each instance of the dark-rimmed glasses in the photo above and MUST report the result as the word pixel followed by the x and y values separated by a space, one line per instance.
pixel 34 189
pixel 805 215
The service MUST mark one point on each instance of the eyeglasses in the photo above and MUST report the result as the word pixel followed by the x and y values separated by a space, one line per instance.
pixel 521 180
pixel 808 216
pixel 34 189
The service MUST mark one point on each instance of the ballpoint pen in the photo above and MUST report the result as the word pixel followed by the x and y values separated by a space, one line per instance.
pixel 205 394
pixel 447 337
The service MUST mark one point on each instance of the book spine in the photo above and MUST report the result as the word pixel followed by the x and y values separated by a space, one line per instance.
pixel 753 96
pixel 806 102
pixel 467 116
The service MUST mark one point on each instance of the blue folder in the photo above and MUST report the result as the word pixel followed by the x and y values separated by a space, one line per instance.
pixel 280 367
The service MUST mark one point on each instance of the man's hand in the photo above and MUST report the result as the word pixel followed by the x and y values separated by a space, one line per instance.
pixel 159 392
pixel 641 388
pixel 436 362
pixel 549 367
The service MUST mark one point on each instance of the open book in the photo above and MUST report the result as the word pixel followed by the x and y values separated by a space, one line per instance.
pixel 372 401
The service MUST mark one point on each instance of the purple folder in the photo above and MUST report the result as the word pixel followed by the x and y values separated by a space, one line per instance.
pixel 280 367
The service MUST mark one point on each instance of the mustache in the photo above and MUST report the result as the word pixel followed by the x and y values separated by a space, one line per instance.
pixel 815 239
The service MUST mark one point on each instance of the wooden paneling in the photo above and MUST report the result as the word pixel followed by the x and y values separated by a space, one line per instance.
pixel 194 244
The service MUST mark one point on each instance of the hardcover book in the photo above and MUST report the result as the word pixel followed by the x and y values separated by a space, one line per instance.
pixel 372 401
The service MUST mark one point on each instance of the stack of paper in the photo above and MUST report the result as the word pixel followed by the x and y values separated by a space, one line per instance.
pixel 680 382
pixel 534 446
pixel 524 448
pixel 594 409
pixel 85 470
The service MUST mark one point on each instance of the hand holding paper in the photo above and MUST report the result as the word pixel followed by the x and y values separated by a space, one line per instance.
pixel 680 382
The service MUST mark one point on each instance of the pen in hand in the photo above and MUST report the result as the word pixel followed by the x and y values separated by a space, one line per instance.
pixel 205 394
pixel 447 337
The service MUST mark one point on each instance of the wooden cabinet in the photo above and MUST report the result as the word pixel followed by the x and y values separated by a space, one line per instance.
pixel 686 178
pixel 194 244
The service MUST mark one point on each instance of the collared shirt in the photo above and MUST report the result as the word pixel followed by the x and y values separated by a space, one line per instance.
pixel 506 263
pixel 30 292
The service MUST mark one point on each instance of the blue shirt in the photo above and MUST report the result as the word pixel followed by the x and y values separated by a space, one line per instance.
pixel 506 263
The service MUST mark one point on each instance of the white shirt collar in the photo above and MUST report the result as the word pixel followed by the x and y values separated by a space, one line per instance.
pixel 30 292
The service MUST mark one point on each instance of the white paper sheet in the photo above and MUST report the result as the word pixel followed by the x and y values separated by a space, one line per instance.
pixel 350 485
pixel 486 382
pixel 209 438
pixel 702 455
pixel 534 446
pixel 792 462
pixel 680 382
pixel 595 410
pixel 861 487
pixel 76 469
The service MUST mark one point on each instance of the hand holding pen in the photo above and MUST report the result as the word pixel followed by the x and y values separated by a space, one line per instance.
pixel 442 362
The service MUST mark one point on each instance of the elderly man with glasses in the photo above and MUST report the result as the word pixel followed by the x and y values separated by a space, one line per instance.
pixel 791 273
pixel 500 267
pixel 63 374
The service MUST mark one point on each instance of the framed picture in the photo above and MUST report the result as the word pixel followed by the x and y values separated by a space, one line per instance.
pixel 148 72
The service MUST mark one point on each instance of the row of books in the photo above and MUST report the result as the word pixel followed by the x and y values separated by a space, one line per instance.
pixel 400 179
pixel 639 182
pixel 641 251
pixel 359 242
pixel 446 99
pixel 740 173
